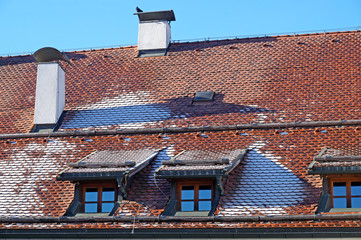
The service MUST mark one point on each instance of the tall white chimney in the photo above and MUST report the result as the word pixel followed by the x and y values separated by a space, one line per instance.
pixel 50 93
pixel 154 33
pixel 50 87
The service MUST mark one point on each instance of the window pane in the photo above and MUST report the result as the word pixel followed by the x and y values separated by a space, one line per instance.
pixel 108 194
pixel 90 207
pixel 187 193
pixel 339 189
pixel 187 206
pixel 205 192
pixel 339 203
pixel 205 205
pixel 107 207
pixel 356 202
pixel 355 188
pixel 91 195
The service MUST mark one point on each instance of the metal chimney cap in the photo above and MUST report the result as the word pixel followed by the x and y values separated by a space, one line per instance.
pixel 157 15
pixel 49 54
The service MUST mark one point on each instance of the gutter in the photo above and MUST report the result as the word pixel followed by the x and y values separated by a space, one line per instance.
pixel 185 129
pixel 133 219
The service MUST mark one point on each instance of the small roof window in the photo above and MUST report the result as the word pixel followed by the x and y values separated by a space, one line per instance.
pixel 204 96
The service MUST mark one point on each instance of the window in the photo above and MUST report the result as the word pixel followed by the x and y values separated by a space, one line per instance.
pixel 98 198
pixel 346 193
pixel 195 196
pixel 203 96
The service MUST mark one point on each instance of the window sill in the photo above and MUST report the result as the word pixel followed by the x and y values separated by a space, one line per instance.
pixel 80 215
pixel 192 214
pixel 343 210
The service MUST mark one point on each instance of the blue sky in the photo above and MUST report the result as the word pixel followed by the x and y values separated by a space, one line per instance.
pixel 28 25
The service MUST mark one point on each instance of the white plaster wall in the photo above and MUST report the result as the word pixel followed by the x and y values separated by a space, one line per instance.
pixel 154 35
pixel 50 93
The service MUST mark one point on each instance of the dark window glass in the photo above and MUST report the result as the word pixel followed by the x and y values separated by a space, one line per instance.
pixel 187 192
pixel 339 203
pixel 108 194
pixel 91 195
pixel 355 188
pixel 205 192
pixel 339 189
pixel 205 205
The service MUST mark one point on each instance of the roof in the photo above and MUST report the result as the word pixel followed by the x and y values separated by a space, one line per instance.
pixel 278 102
pixel 108 164
pixel 344 159
pixel 201 163
pixel 282 79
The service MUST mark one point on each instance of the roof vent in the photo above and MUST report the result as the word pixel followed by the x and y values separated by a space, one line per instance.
pixel 203 96
pixel 154 32
pixel 49 54
pixel 50 89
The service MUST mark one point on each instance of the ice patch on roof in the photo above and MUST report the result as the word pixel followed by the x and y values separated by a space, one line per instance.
pixel 22 176
pixel 265 186
pixel 130 110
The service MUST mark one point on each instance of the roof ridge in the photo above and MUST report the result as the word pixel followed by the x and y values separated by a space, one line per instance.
pixel 197 40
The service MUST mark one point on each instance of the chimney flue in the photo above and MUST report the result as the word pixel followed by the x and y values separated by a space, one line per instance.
pixel 50 93
pixel 50 88
pixel 154 32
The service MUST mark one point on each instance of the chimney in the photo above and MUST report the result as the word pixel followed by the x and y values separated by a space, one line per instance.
pixel 50 88
pixel 154 32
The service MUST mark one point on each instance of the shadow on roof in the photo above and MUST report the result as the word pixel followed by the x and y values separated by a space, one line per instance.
pixel 139 115
pixel 210 44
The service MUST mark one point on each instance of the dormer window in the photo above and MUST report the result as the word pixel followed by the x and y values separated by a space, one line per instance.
pixel 99 197
pixel 197 179
pixel 101 179
pixel 195 195
pixel 341 173
pixel 346 192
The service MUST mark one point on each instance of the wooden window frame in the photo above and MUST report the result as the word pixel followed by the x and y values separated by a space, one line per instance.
pixel 348 181
pixel 195 183
pixel 99 185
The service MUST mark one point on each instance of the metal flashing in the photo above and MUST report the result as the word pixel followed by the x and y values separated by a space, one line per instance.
pixel 189 173
pixel 167 15
pixel 204 96
pixel 334 170
pixel 152 53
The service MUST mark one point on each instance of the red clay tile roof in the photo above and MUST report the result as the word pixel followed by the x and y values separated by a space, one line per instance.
pixel 262 80
pixel 283 82
pixel 202 160
pixel 349 156
pixel 110 161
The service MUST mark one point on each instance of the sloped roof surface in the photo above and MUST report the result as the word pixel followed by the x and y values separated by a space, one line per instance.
pixel 260 80
pixel 110 161
pixel 280 79
pixel 272 179
pixel 202 160
pixel 341 157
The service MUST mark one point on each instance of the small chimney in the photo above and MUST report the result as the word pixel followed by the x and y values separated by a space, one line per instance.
pixel 154 32
pixel 50 88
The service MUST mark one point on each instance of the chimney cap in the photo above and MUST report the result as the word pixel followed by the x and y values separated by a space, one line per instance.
pixel 49 54
pixel 157 15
